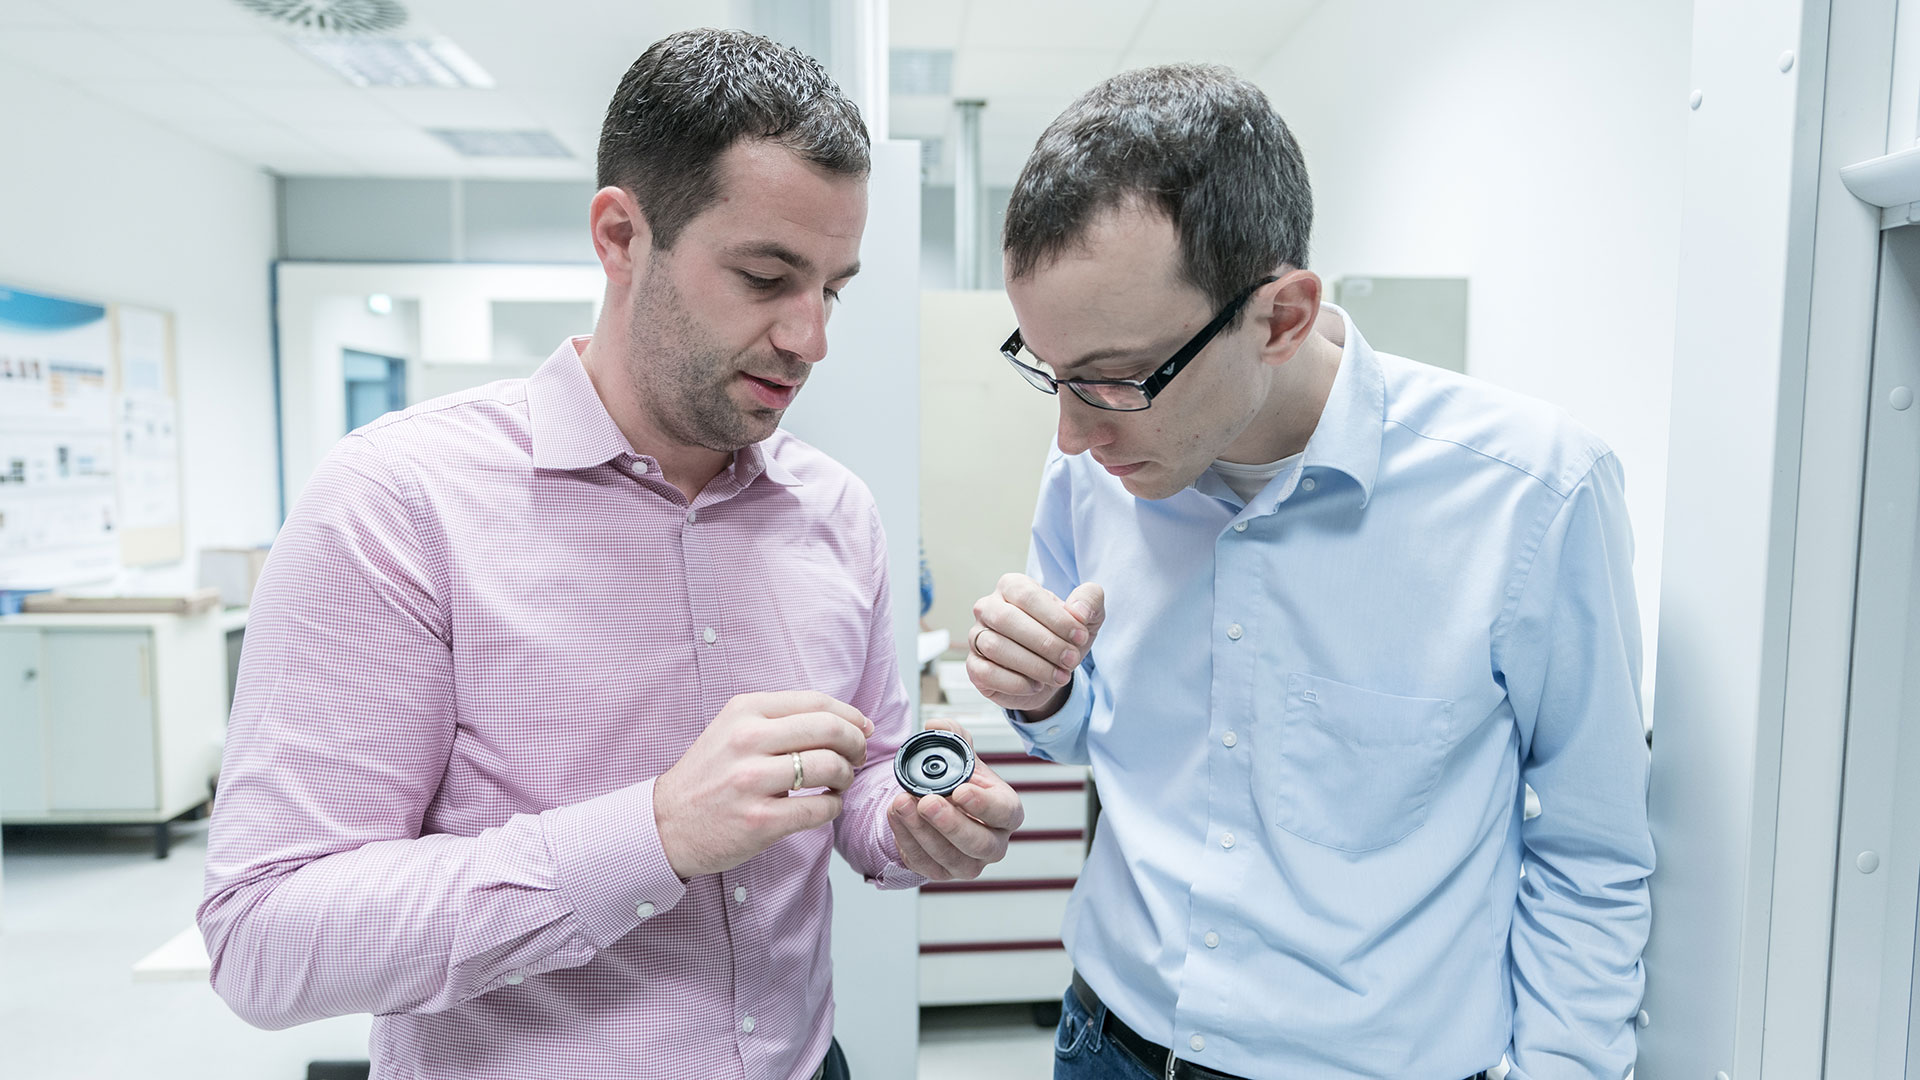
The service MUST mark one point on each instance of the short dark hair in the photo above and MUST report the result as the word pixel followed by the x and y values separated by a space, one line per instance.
pixel 1192 141
pixel 693 94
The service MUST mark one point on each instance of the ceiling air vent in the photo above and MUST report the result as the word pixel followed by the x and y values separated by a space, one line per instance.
pixel 332 16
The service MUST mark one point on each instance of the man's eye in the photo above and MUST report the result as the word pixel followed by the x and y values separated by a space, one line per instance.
pixel 755 281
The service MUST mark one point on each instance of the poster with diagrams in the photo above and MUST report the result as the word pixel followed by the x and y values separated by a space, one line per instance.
pixel 58 502
pixel 147 436
pixel 89 440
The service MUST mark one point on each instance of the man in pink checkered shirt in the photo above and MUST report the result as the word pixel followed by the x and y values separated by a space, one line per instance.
pixel 558 693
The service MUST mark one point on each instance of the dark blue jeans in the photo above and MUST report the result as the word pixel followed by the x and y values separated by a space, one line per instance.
pixel 835 1067
pixel 1080 1052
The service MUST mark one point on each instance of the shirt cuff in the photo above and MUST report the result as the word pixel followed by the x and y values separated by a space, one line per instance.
pixel 609 863
pixel 1063 724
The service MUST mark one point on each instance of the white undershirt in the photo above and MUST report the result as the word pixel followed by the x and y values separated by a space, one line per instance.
pixel 1247 480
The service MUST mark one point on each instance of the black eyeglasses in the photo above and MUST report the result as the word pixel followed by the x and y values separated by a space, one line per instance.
pixel 1128 395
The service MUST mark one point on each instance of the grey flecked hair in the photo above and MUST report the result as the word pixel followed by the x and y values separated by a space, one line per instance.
pixel 693 94
pixel 1195 142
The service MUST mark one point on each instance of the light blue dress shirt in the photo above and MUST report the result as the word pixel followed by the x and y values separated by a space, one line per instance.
pixel 1310 719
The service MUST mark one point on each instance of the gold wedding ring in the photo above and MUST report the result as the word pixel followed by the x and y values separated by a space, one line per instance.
pixel 799 772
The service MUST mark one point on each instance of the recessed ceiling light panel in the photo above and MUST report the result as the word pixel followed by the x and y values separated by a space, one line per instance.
pixel 371 61
pixel 332 16
pixel 502 144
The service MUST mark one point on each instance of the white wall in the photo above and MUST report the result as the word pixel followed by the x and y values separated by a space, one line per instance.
pixel 103 205
pixel 1535 148
pixel 984 435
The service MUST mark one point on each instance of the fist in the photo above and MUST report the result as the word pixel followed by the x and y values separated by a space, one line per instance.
pixel 1025 642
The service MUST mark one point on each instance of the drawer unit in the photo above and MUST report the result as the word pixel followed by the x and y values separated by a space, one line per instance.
pixel 997 939
pixel 109 718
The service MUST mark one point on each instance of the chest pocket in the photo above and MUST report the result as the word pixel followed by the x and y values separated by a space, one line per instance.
pixel 1347 768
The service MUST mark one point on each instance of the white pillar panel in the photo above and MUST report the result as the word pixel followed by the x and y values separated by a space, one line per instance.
pixel 862 406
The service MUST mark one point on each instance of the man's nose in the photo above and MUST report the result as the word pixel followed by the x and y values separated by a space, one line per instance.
pixel 802 329
pixel 1082 427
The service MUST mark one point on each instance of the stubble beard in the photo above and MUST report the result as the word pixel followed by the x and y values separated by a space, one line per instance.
pixel 685 380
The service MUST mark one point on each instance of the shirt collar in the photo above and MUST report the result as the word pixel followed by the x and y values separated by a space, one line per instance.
pixel 1353 423
pixel 571 428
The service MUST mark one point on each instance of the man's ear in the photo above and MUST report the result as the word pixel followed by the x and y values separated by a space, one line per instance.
pixel 1287 309
pixel 621 238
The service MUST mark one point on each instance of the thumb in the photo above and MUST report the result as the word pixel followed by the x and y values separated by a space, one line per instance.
pixel 1088 603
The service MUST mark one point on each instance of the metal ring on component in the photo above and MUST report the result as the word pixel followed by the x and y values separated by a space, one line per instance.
pixel 933 762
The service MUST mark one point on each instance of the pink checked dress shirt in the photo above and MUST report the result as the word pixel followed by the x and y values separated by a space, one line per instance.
pixel 484 630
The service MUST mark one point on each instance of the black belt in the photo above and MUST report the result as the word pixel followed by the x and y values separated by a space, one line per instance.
pixel 1157 1059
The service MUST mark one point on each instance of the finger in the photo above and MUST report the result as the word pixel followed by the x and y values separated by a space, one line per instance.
pixel 818 769
pixel 991 679
pixel 790 816
pixel 968 836
pixel 932 818
pixel 1014 654
pixel 1088 603
pixel 782 703
pixel 948 724
pixel 1049 610
pixel 990 801
pixel 937 847
pixel 808 731
pixel 1030 629
pixel 912 855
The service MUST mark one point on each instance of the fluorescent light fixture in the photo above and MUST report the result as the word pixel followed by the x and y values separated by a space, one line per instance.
pixel 373 61
pixel 502 144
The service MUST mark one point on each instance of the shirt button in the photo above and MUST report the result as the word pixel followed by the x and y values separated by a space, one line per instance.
pixel 739 894
pixel 1234 631
pixel 1198 1043
pixel 645 910
pixel 691 515
pixel 1213 941
pixel 747 1025
pixel 516 979
pixel 1239 526
pixel 1308 484
pixel 710 635
pixel 1053 730
pixel 1227 841
pixel 1229 739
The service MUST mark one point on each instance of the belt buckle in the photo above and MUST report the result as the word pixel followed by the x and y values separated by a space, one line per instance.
pixel 1173 1063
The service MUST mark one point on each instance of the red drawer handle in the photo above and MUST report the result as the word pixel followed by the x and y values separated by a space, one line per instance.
pixel 987 946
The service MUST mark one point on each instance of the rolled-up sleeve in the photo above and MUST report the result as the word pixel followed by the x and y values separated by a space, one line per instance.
pixel 322 897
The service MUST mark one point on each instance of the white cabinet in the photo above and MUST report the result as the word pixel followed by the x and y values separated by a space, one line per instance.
pixel 997 939
pixel 110 718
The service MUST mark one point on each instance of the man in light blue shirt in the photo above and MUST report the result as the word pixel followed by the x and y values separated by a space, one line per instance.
pixel 1316 616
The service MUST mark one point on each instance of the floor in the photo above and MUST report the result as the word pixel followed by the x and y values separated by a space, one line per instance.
pixel 82 905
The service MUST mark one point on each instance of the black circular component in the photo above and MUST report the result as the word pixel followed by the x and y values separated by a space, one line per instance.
pixel 933 762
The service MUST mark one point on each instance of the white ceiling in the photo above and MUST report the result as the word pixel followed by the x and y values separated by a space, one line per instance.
pixel 227 78
pixel 1028 59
